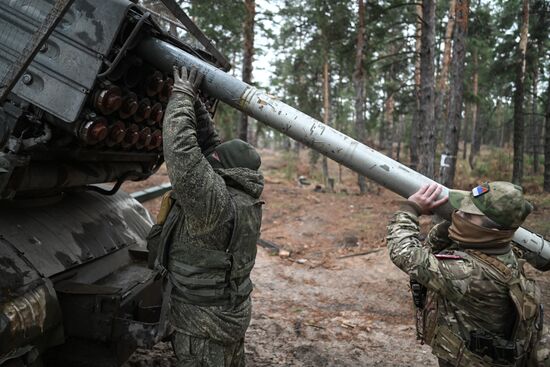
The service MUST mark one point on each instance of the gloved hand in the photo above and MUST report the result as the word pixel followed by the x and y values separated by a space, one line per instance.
pixel 207 137
pixel 187 83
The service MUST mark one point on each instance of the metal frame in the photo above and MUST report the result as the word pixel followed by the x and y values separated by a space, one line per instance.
pixel 33 46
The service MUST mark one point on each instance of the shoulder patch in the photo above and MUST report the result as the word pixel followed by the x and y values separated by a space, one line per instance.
pixel 454 266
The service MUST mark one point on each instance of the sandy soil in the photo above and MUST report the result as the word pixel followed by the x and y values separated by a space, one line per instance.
pixel 334 299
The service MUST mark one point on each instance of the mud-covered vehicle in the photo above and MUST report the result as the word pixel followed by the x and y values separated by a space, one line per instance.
pixel 85 110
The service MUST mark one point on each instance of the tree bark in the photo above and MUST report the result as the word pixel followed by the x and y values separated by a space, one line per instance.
pixel 248 55
pixel 501 124
pixel 359 86
pixel 546 185
pixel 475 145
pixel 399 136
pixel 452 133
pixel 465 129
pixel 257 134
pixel 415 123
pixel 326 114
pixel 519 122
pixel 534 130
pixel 427 141
pixel 442 89
pixel 387 138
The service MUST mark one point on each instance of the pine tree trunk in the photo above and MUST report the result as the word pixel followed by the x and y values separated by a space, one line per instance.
pixel 547 142
pixel 248 55
pixel 465 137
pixel 452 133
pixel 535 131
pixel 387 141
pixel 399 136
pixel 326 115
pixel 257 134
pixel 415 123
pixel 475 145
pixel 442 89
pixel 501 124
pixel 519 121
pixel 359 86
pixel 427 141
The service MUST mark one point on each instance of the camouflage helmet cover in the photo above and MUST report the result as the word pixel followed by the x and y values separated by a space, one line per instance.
pixel 500 201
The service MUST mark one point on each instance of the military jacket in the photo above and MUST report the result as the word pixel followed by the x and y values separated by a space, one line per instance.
pixel 467 296
pixel 201 250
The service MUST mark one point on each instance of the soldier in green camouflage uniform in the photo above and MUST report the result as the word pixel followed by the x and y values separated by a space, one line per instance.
pixel 210 232
pixel 480 309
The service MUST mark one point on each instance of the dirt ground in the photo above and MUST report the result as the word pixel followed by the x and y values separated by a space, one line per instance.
pixel 330 296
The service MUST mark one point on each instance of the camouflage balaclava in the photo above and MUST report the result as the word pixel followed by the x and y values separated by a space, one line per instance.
pixel 236 154
pixel 500 201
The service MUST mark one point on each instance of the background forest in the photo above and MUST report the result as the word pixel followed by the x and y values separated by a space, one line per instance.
pixel 435 84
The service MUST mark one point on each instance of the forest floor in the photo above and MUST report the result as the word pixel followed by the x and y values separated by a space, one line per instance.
pixel 329 296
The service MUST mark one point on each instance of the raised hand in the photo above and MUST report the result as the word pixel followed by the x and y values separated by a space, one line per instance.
pixel 426 198
pixel 187 82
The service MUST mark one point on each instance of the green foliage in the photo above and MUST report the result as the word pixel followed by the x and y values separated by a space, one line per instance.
pixel 221 21
pixel 311 32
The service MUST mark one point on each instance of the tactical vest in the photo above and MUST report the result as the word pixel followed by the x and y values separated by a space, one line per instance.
pixel 481 350
pixel 210 277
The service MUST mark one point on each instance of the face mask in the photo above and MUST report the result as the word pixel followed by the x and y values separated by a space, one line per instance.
pixel 471 235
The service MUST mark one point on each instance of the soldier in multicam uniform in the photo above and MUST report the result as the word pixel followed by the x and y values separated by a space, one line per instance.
pixel 480 309
pixel 208 234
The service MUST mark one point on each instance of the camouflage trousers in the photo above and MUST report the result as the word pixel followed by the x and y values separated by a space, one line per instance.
pixel 200 352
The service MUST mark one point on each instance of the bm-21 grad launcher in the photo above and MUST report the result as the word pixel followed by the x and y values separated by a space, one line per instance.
pixel 79 107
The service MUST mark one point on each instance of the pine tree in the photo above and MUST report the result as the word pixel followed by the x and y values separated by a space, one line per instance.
pixel 427 141
pixel 452 134
pixel 248 54
pixel 519 118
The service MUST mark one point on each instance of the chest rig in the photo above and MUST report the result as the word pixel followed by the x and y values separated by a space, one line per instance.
pixel 209 277
pixel 480 348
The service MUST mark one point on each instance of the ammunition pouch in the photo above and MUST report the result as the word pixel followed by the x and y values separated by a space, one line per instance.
pixel 485 345
pixel 214 282
pixel 479 351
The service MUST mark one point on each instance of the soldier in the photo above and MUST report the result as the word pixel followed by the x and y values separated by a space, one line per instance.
pixel 480 309
pixel 210 232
